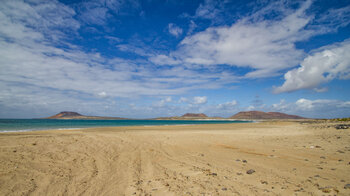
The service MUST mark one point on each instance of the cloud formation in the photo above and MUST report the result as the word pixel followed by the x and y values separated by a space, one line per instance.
pixel 314 108
pixel 29 55
pixel 98 12
pixel 265 46
pixel 325 64
pixel 174 30
pixel 200 100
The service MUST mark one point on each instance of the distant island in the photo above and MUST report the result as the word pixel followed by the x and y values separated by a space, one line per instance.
pixel 246 115
pixel 189 116
pixel 259 115
pixel 75 115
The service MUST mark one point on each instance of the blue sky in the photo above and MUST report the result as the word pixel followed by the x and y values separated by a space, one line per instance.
pixel 152 58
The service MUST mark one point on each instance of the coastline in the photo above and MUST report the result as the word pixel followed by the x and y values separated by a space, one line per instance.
pixel 287 158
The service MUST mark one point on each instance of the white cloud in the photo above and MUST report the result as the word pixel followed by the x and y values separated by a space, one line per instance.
pixel 174 30
pixel 207 9
pixel 183 100
pixel 200 100
pixel 163 60
pixel 194 101
pixel 102 94
pixel 328 63
pixel 228 105
pixel 163 101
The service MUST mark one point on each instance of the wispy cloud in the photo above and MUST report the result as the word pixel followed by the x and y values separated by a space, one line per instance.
pixel 267 46
pixel 174 30
pixel 98 12
pixel 30 57
pixel 200 100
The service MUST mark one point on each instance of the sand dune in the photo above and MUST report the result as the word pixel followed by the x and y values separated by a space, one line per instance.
pixel 284 158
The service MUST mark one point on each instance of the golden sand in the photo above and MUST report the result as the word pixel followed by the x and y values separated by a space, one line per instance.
pixel 284 158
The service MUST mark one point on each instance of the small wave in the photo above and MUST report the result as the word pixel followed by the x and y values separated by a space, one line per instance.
pixel 44 129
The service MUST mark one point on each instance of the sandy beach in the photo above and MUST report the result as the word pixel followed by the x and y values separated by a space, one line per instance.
pixel 267 158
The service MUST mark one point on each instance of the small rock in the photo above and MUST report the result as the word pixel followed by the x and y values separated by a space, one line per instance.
pixel 340 151
pixel 239 174
pixel 251 171
pixel 34 144
pixel 238 160
pixel 214 174
pixel 342 126
pixel 322 157
pixel 14 151
pixel 244 161
pixel 317 146
pixel 306 159
pixel 347 186
pixel 224 189
pixel 264 182
pixel 326 189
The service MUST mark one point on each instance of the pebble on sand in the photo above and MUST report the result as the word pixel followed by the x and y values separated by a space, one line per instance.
pixel 250 171
pixel 347 186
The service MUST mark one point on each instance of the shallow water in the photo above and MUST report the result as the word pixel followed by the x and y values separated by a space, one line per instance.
pixel 10 125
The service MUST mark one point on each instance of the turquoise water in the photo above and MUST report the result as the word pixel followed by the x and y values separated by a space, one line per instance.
pixel 7 125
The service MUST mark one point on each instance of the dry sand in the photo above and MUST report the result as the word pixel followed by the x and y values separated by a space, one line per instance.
pixel 289 158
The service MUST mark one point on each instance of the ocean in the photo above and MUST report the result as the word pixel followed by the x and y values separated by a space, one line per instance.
pixel 17 125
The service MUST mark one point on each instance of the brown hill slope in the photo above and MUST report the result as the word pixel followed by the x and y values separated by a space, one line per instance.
pixel 264 115
pixel 75 115
pixel 193 115
pixel 65 114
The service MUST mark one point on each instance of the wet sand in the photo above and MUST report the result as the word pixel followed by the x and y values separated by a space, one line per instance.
pixel 268 158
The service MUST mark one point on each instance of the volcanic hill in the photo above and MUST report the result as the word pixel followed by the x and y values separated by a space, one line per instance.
pixel 264 115
pixel 75 115
pixel 194 115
